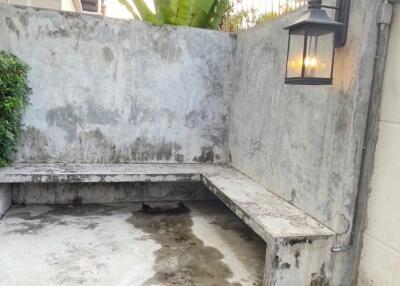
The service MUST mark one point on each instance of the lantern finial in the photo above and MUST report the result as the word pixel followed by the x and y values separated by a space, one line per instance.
pixel 314 3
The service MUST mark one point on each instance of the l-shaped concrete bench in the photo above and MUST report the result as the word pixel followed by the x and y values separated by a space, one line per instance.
pixel 298 246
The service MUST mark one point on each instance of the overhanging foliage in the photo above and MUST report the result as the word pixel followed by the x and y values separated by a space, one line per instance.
pixel 195 13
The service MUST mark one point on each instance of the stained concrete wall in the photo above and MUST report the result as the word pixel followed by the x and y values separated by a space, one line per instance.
pixel 5 198
pixel 109 91
pixel 86 193
pixel 304 143
pixel 380 261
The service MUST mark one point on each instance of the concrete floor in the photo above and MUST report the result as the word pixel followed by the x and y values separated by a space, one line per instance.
pixel 200 243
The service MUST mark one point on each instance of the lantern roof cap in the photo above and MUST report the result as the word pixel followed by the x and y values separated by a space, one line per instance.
pixel 315 17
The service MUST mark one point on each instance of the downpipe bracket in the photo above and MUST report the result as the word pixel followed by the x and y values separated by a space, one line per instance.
pixel 385 13
pixel 341 248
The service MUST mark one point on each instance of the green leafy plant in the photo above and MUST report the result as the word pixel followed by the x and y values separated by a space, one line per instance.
pixel 195 13
pixel 14 93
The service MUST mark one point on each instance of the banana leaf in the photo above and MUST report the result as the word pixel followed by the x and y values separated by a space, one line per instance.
pixel 216 13
pixel 128 7
pixel 167 9
pixel 195 13
pixel 184 12
pixel 200 13
pixel 146 14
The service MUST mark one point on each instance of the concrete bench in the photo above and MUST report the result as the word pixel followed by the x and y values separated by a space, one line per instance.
pixel 298 246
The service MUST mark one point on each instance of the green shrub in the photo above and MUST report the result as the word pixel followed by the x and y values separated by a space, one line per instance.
pixel 14 93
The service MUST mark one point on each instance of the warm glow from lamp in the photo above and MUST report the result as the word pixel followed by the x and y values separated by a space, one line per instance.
pixel 310 62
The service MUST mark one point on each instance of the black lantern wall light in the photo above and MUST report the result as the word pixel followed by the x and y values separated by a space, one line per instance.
pixel 312 42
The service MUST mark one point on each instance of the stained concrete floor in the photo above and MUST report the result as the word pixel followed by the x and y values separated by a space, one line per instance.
pixel 200 243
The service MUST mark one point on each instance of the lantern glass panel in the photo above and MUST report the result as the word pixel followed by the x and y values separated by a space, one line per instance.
pixel 319 55
pixel 295 56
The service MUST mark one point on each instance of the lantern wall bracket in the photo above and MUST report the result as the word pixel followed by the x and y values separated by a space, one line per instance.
pixel 329 7
pixel 341 15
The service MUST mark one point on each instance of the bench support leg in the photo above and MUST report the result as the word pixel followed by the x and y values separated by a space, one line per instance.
pixel 298 262
pixel 5 198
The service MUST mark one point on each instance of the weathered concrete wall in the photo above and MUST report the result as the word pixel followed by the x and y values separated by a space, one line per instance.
pixel 107 193
pixel 304 143
pixel 380 261
pixel 109 91
pixel 5 198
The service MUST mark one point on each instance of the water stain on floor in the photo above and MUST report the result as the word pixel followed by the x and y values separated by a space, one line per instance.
pixel 183 259
pixel 162 244
pixel 54 215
